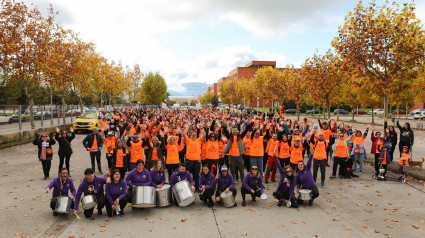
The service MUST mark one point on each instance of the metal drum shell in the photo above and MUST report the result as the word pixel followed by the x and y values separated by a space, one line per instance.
pixel 144 197
pixel 183 193
pixel 305 194
pixel 163 196
pixel 228 199
pixel 63 205
pixel 88 202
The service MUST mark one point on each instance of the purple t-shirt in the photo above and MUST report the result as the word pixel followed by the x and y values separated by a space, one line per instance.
pixel 91 188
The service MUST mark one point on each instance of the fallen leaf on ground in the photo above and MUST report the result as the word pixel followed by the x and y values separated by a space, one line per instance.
pixel 184 219
pixel 244 233
pixel 149 230
pixel 226 220
pixel 376 231
pixel 101 230
pixel 389 226
pixel 359 205
pixel 348 228
pixel 394 220
pixel 294 222
pixel 328 212
pixel 306 222
pixel 415 226
pixel 118 234
pixel 364 226
pixel 336 219
pixel 71 236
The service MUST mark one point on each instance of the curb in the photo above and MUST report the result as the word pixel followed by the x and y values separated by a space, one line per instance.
pixel 415 173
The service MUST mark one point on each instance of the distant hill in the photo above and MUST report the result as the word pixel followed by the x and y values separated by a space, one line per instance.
pixel 191 89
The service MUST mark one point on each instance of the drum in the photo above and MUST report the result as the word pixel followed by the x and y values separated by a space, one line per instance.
pixel 263 196
pixel 305 194
pixel 144 196
pixel 183 193
pixel 88 202
pixel 63 205
pixel 227 199
pixel 163 196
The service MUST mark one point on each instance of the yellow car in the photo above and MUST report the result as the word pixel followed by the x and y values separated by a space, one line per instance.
pixel 87 121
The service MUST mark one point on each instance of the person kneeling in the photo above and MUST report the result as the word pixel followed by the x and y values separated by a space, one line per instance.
pixel 116 192
pixel 225 183
pixel 252 184
pixel 61 185
pixel 206 185
pixel 285 188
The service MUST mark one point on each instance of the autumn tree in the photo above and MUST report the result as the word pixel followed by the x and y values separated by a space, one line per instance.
pixel 270 83
pixel 153 89
pixel 385 42
pixel 296 87
pixel 323 75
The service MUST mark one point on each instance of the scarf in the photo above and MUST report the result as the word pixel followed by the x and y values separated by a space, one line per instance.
pixel 43 154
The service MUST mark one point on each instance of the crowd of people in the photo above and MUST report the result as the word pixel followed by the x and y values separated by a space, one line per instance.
pixel 214 151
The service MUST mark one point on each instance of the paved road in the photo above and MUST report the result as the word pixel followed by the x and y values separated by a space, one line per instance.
pixel 360 207
pixel 6 128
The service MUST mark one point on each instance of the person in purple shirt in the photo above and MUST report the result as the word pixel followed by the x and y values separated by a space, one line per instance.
pixel 252 184
pixel 225 183
pixel 116 193
pixel 206 185
pixel 157 174
pixel 91 185
pixel 61 185
pixel 285 188
pixel 304 179
pixel 180 175
pixel 137 177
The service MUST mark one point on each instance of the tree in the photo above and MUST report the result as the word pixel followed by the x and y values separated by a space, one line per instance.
pixel 231 91
pixel 271 82
pixel 153 89
pixel 384 42
pixel 135 77
pixel 296 87
pixel 324 77
pixel 249 91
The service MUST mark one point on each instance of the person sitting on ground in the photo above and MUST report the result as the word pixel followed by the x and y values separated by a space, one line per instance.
pixel 61 185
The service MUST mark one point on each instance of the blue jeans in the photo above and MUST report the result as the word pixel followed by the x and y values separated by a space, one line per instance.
pixel 358 157
pixel 259 162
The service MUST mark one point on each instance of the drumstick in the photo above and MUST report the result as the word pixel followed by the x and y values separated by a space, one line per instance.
pixel 78 217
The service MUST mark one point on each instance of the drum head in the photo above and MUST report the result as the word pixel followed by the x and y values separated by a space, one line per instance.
pixel 164 187
pixel 263 196
pixel 223 194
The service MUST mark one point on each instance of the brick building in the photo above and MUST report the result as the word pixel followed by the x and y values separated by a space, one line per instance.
pixel 245 73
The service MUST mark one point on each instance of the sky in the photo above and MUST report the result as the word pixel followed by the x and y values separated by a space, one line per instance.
pixel 203 40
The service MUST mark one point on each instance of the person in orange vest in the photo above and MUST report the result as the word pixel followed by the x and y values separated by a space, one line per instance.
pixel 358 151
pixel 93 143
pixel 404 161
pixel 385 159
pixel 272 150
pixel 136 150
pixel 327 134
pixel 319 156
pixel 120 158
pixel 193 153
pixel 257 148
pixel 284 148
pixel 247 155
pixel 341 152
pixel 104 126
pixel 296 154
pixel 109 142
pixel 173 148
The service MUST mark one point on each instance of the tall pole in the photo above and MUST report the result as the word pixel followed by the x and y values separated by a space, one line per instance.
pixel 51 105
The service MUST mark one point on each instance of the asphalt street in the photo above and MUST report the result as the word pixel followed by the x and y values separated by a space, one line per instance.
pixel 360 207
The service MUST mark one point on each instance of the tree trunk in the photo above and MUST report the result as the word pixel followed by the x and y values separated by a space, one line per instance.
pixel 31 105
pixel 328 108
pixel 352 112
pixel 80 103
pixel 386 106
pixel 314 109
pixel 373 116
pixel 298 111
pixel 397 111
pixel 337 115
pixel 63 110
pixel 264 109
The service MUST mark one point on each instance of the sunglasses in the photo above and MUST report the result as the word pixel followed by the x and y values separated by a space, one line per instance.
pixel 254 169
pixel 289 171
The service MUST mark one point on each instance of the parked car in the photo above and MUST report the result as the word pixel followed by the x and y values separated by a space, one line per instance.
pixel 316 111
pixel 87 121
pixel 378 111
pixel 46 115
pixel 75 112
pixel 291 111
pixel 341 111
pixel 25 116
pixel 419 115
pixel 4 118
pixel 359 112
pixel 400 112
pixel 416 111
pixel 56 112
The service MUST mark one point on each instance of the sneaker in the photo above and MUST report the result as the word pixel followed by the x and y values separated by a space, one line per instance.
pixel 332 177
pixel 55 213
pixel 310 203
pixel 235 205
pixel 327 165
pixel 243 203
pixel 288 203
pixel 360 172
pixel 45 177
pixel 99 212
pixel 267 181
pixel 100 172
pixel 210 203
pixel 122 213
pixel 273 180
pixel 237 181
pixel 279 203
pixel 322 184
pixel 254 199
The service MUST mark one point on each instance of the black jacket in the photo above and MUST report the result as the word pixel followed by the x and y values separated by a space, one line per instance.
pixel 39 142
pixel 88 141
pixel 65 144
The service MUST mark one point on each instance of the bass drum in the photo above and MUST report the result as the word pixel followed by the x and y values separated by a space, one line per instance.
pixel 183 193
pixel 163 196
pixel 144 197
pixel 63 205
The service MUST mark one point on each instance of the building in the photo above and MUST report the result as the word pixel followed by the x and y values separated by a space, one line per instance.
pixel 246 73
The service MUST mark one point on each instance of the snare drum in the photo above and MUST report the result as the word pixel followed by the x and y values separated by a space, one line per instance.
pixel 183 193
pixel 263 196
pixel 63 205
pixel 144 196
pixel 305 194
pixel 228 199
pixel 163 196
pixel 88 202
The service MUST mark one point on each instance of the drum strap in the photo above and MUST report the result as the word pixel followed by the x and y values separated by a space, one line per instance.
pixel 62 183
pixel 178 177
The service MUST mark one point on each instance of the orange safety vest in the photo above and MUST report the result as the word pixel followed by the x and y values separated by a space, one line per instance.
pixel 119 157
